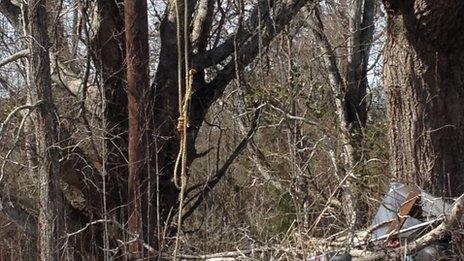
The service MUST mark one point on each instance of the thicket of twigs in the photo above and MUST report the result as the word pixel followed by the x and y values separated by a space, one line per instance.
pixel 274 140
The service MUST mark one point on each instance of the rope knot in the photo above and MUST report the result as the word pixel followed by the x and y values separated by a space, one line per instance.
pixel 180 125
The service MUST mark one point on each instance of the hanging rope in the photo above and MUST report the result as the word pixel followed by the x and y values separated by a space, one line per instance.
pixel 182 125
pixel 183 121
pixel 181 160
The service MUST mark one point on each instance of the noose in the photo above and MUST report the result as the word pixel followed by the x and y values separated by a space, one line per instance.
pixel 183 121
pixel 181 160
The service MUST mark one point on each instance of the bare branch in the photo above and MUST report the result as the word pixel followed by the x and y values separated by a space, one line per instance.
pixel 11 12
pixel 247 36
pixel 223 171
pixel 202 25
pixel 14 57
pixel 12 113
pixel 338 86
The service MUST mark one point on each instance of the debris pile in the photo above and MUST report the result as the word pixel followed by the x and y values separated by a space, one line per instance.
pixel 405 214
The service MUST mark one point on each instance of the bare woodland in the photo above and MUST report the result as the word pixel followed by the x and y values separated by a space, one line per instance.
pixel 225 129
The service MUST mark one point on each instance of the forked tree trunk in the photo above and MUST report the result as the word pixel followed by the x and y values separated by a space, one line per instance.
pixel 424 81
pixel 51 224
pixel 362 29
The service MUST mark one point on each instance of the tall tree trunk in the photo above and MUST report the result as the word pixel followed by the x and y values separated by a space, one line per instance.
pixel 424 81
pixel 136 28
pixel 51 224
pixel 355 101
pixel 165 114
pixel 109 53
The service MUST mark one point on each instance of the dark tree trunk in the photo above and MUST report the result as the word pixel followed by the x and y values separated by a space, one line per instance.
pixel 108 50
pixel 108 54
pixel 165 114
pixel 424 82
pixel 362 29
pixel 136 28
pixel 51 225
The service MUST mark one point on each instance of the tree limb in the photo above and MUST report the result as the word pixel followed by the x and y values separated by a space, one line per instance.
pixel 338 86
pixel 260 13
pixel 14 57
pixel 11 12
pixel 204 97
pixel 201 196
pixel 202 25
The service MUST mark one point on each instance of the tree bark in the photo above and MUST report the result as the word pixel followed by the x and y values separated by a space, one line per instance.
pixel 51 227
pixel 423 78
pixel 137 53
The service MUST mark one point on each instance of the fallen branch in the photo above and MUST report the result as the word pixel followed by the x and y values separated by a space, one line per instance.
pixel 451 222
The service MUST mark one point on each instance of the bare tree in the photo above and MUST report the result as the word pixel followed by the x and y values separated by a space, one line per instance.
pixel 349 91
pixel 51 225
